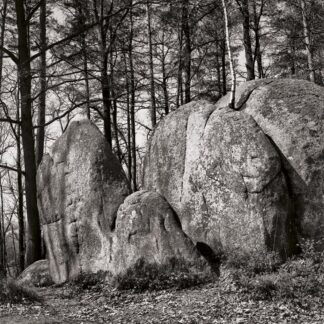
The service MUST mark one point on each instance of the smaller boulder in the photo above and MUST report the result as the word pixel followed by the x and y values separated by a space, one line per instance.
pixel 37 274
pixel 147 229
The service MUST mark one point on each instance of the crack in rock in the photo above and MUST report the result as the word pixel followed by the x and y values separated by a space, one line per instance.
pixel 249 94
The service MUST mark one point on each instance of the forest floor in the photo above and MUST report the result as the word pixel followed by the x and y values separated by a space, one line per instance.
pixel 209 303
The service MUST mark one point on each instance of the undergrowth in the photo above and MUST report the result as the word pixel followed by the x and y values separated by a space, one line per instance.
pixel 177 274
pixel 260 275
pixel 265 277
pixel 12 292
pixel 90 280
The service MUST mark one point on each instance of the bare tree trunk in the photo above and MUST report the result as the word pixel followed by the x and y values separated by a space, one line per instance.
pixel 14 248
pixel 256 28
pixel 24 70
pixel 43 84
pixel 129 140
pixel 218 67
pixel 115 125
pixel 224 83
pixel 308 44
pixel 228 41
pixel 179 100
pixel 82 12
pixel 244 8
pixel 106 99
pixel 85 62
pixel 132 103
pixel 3 266
pixel 164 79
pixel 21 225
pixel 114 106
pixel 103 25
pixel 292 61
pixel 2 34
pixel 86 74
pixel 187 49
pixel 152 84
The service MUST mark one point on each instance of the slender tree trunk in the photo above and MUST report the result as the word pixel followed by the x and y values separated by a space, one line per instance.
pixel 164 79
pixel 187 50
pixel 249 62
pixel 103 25
pixel 106 100
pixel 132 103
pixel 152 84
pixel 34 233
pixel 129 140
pixel 82 11
pixel 224 83
pixel 292 61
pixel 228 41
pixel 40 139
pixel 114 106
pixel 256 28
pixel 20 208
pixel 2 236
pixel 258 55
pixel 21 225
pixel 308 42
pixel 86 74
pixel 179 100
pixel 15 251
pixel 2 34
pixel 115 124
pixel 218 66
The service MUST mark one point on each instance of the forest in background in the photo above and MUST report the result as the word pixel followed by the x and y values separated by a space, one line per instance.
pixel 125 65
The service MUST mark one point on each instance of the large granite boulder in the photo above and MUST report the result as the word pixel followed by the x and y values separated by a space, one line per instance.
pixel 80 188
pixel 147 229
pixel 37 274
pixel 291 114
pixel 228 174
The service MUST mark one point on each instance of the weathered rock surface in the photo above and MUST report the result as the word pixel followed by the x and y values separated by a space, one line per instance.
pixel 166 153
pixel 291 113
pixel 37 274
pixel 147 229
pixel 80 187
pixel 228 173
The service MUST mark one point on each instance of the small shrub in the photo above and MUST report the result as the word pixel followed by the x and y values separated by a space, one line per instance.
pixel 173 274
pixel 255 262
pixel 13 292
pixel 266 278
pixel 303 275
pixel 89 280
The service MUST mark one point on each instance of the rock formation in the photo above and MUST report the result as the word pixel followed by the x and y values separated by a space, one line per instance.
pixel 37 274
pixel 291 114
pixel 249 178
pixel 80 187
pixel 215 179
pixel 148 229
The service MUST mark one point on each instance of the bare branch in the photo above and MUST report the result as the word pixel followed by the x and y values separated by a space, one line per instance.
pixel 7 167
pixel 9 120
pixel 33 10
pixel 13 57
pixel 64 114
